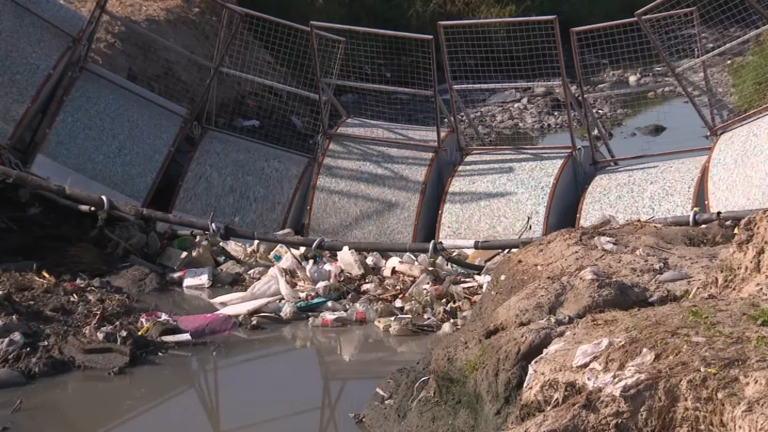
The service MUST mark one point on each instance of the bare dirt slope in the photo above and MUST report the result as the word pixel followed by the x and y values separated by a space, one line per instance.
pixel 683 355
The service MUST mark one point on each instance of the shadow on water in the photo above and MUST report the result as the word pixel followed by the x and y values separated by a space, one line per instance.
pixel 284 379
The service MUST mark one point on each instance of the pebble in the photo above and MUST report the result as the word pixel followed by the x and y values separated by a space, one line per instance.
pixel 672 276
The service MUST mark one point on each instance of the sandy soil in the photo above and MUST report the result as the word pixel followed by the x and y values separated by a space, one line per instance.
pixel 704 336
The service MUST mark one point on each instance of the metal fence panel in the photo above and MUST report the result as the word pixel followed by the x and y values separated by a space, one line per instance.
pixel 25 69
pixel 266 89
pixel 631 99
pixel 723 73
pixel 144 57
pixel 380 76
pixel 507 82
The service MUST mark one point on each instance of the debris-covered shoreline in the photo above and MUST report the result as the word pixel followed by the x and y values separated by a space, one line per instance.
pixel 76 287
pixel 634 327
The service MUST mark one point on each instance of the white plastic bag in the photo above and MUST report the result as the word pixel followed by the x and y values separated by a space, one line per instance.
pixel 266 287
pixel 350 262
pixel 609 244
pixel 586 353
pixel 247 308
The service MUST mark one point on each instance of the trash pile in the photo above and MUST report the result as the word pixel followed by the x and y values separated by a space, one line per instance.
pixel 267 282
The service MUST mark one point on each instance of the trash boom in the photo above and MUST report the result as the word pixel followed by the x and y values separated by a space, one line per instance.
pixel 97 203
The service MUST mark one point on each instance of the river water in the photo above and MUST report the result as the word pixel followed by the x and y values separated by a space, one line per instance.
pixel 685 130
pixel 290 378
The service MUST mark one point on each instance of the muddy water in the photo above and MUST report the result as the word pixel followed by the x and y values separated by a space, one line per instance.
pixel 282 379
pixel 684 130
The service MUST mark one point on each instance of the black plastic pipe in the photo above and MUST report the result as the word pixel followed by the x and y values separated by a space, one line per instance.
pixel 36 183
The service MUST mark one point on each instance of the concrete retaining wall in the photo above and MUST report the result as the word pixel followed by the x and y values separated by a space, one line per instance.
pixel 643 191
pixel 367 190
pixel 30 50
pixel 113 133
pixel 246 184
pixel 738 174
pixel 500 194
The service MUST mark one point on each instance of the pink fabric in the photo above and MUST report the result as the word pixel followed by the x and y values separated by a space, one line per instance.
pixel 200 326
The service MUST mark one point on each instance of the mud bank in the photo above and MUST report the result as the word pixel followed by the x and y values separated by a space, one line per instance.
pixel 663 333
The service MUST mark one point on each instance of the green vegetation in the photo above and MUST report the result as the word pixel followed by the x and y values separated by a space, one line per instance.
pixel 472 365
pixel 759 316
pixel 760 341
pixel 455 389
pixel 750 79
pixel 695 314
pixel 421 15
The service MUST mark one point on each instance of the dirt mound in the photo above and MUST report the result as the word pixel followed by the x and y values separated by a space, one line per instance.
pixel 694 366
pixel 744 271
pixel 476 376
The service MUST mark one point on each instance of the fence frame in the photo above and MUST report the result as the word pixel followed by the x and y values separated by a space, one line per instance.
pixel 80 47
pixel 317 28
pixel 586 104
pixel 210 108
pixel 190 124
pixel 713 128
pixel 455 99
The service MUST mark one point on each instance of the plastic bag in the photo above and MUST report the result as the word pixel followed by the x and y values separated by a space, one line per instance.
pixel 199 326
pixel 400 327
pixel 447 329
pixel 375 260
pixel 290 312
pixel 288 293
pixel 238 250
pixel 672 276
pixel 591 273
pixel 11 343
pixel 586 353
pixel 350 262
pixel 608 243
pixel 248 307
pixel 413 308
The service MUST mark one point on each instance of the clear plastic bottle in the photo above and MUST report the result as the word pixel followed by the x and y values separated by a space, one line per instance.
pixel 329 319
pixel 362 313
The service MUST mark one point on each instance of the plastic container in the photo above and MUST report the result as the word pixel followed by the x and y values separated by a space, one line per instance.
pixel 329 320
pixel 362 313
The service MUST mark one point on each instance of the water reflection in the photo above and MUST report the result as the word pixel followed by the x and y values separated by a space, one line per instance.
pixel 685 130
pixel 287 379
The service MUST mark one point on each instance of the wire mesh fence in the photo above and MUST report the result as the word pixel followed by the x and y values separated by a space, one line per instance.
pixel 506 81
pixel 387 78
pixel 266 88
pixel 631 93
pixel 144 56
pixel 718 53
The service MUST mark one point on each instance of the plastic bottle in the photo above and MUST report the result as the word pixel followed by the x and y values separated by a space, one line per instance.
pixel 329 319
pixel 319 273
pixel 362 313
